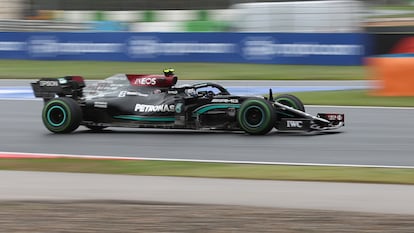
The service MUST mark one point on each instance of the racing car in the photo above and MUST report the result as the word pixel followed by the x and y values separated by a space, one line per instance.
pixel 156 101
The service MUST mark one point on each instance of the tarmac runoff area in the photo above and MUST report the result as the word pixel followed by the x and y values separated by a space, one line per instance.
pixel 47 186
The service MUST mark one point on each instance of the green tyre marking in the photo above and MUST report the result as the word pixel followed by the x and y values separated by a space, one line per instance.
pixel 291 101
pixel 61 127
pixel 292 104
pixel 265 124
pixel 61 115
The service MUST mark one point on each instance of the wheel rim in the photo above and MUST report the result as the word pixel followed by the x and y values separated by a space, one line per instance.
pixel 56 116
pixel 254 116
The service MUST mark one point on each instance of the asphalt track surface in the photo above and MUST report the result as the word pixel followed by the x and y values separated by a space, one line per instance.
pixel 372 136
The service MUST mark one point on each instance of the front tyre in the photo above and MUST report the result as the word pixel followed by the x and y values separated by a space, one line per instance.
pixel 291 101
pixel 256 116
pixel 62 115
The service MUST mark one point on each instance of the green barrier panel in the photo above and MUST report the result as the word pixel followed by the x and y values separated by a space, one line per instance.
pixel 99 16
pixel 205 26
pixel 149 16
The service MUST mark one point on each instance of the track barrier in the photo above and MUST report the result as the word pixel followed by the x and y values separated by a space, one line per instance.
pixel 259 48
pixel 394 74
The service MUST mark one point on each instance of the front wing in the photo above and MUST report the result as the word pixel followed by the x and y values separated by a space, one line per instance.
pixel 323 121
pixel 306 122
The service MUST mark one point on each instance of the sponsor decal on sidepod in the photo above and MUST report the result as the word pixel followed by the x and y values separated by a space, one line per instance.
pixel 154 108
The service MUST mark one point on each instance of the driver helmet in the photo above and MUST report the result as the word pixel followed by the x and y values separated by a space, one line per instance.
pixel 169 72
pixel 191 92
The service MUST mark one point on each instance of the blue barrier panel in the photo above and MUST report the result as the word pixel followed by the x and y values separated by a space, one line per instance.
pixel 265 48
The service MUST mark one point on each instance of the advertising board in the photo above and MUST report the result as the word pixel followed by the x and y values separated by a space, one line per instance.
pixel 261 48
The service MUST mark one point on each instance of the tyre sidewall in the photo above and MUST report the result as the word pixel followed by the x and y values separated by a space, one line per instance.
pixel 71 111
pixel 268 116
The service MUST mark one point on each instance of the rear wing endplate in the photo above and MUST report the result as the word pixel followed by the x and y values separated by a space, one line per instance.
pixel 49 88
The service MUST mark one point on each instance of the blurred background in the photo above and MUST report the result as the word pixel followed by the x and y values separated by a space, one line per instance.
pixel 326 33
pixel 214 15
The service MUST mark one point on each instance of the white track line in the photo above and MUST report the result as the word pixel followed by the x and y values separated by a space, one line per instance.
pixel 17 155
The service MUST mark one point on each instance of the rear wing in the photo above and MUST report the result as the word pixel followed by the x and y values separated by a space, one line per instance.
pixel 49 88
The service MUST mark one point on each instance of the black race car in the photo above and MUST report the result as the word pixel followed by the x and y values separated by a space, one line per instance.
pixel 155 101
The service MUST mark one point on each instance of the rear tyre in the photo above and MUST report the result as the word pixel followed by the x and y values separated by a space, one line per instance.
pixel 62 115
pixel 256 116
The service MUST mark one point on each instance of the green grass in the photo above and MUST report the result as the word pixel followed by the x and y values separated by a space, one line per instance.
pixel 407 15
pixel 395 7
pixel 26 69
pixel 354 98
pixel 214 170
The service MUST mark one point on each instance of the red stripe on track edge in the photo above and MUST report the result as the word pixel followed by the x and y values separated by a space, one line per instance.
pixel 20 155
